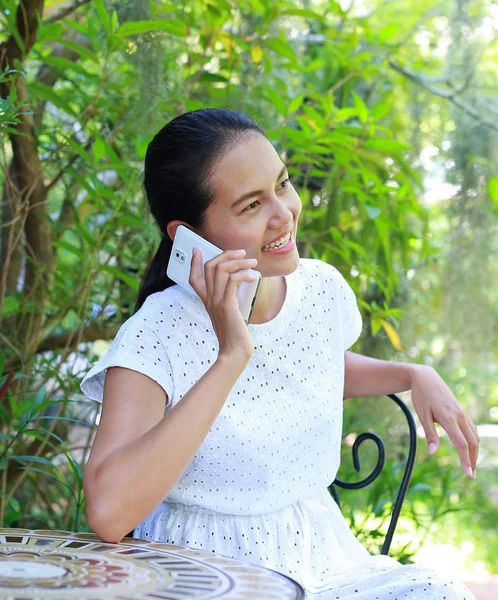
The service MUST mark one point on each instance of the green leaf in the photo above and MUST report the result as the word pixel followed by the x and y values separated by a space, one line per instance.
pixel 85 235
pixel 10 306
pixel 78 148
pixel 40 396
pixel 380 110
pixel 386 34
pixel 376 325
pixel 103 15
pixel 169 25
pixel 115 42
pixel 420 487
pixel 65 64
pixel 115 21
pixel 75 467
pixel 19 41
pixel 81 50
pixel 361 108
pixel 280 47
pixel 37 459
pixel 345 113
pixel 276 99
pixel 131 281
pixel 50 476
pixel 44 92
pixel 49 32
pixel 208 77
pixel 493 189
pixel 296 103
pixel 69 247
pixel 300 12
pixel 98 148
pixel 133 221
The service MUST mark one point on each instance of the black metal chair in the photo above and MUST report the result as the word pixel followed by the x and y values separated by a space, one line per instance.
pixel 378 468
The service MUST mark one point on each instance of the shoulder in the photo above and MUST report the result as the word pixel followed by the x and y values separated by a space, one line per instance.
pixel 167 305
pixel 168 313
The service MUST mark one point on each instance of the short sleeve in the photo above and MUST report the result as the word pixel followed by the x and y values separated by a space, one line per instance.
pixel 135 347
pixel 352 323
pixel 351 320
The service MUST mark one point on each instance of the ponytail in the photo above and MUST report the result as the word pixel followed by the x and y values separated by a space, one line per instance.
pixel 155 278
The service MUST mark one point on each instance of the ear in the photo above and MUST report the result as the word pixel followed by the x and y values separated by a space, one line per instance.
pixel 172 226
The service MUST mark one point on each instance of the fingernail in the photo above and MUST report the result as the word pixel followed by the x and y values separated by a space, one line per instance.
pixel 468 470
pixel 432 448
pixel 474 473
pixel 194 251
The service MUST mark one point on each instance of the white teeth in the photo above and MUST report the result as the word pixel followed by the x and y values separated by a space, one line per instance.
pixel 280 242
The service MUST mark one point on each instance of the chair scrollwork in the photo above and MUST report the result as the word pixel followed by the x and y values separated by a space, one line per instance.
pixel 378 469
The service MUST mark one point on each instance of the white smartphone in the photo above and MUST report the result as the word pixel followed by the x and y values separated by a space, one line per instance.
pixel 179 267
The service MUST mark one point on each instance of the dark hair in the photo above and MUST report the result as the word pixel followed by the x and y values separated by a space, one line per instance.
pixel 178 166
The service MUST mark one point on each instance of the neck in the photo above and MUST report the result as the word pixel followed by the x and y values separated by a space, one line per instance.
pixel 269 301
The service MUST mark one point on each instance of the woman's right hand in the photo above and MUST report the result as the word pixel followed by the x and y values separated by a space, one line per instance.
pixel 218 291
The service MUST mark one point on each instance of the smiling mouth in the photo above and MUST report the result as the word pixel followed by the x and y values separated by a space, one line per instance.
pixel 280 243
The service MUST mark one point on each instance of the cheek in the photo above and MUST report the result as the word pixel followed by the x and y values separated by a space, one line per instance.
pixel 233 239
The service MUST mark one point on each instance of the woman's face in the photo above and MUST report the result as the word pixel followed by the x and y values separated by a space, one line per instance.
pixel 255 206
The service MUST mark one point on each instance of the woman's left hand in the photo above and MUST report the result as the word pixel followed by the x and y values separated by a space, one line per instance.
pixel 434 402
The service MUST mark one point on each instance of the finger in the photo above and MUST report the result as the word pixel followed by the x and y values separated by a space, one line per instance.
pixel 196 279
pixel 210 266
pixel 473 427
pixel 234 280
pixel 222 272
pixel 220 280
pixel 472 437
pixel 431 435
pixel 459 441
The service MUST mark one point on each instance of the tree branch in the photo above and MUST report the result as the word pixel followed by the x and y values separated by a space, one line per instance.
pixel 451 96
pixel 66 11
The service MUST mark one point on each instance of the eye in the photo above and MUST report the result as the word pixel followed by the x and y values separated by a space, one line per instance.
pixel 285 181
pixel 250 206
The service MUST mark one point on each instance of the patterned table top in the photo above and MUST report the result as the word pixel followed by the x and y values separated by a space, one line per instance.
pixel 42 564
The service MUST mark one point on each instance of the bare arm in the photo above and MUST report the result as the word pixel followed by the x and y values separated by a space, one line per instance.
pixel 432 399
pixel 365 376
pixel 139 453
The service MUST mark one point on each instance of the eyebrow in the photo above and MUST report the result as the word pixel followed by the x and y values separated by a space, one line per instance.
pixel 256 192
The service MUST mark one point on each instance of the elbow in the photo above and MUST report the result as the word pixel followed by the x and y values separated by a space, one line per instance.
pixel 102 517
pixel 104 526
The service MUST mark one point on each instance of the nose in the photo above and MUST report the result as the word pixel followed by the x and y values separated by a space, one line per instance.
pixel 281 214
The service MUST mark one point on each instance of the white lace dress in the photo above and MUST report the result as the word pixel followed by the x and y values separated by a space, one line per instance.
pixel 256 489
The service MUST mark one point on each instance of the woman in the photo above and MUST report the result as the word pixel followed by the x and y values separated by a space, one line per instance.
pixel 224 436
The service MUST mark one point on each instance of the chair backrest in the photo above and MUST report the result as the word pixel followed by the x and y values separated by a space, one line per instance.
pixel 378 468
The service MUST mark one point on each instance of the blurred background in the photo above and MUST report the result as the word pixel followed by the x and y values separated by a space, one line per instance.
pixel 386 114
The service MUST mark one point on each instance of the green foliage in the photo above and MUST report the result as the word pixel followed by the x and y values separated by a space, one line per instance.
pixel 10 106
pixel 41 483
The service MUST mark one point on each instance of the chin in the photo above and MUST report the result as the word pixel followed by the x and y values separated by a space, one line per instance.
pixel 279 270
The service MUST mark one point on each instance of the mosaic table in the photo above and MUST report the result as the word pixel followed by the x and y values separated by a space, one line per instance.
pixel 42 565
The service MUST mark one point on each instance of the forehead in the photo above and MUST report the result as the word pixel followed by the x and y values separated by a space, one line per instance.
pixel 251 164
